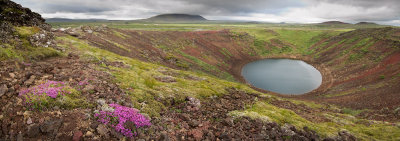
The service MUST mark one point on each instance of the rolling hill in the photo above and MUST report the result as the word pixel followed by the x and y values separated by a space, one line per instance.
pixel 176 18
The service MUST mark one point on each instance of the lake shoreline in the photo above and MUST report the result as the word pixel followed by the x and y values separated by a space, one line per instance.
pixel 327 78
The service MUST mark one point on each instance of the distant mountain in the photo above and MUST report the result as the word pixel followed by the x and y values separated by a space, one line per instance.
pixel 176 18
pixel 334 22
pixel 366 23
pixel 73 20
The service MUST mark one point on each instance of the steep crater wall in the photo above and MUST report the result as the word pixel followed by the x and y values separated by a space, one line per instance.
pixel 360 65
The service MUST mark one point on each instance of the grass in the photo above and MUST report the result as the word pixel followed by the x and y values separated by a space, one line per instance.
pixel 9 52
pixel 70 100
pixel 139 84
pixel 375 131
pixel 301 39
pixel 121 35
pixel 351 111
pixel 208 68
pixel 25 51
pixel 147 93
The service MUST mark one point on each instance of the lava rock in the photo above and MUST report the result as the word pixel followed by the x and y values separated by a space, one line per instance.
pixel 30 80
pixel 228 122
pixel 184 117
pixel 3 89
pixel 50 126
pixel 346 136
pixel 89 134
pixel 164 137
pixel 29 121
pixel 12 75
pixel 25 17
pixel 77 136
pixel 88 88
pixel 103 130
pixel 101 102
pixel 42 39
pixel 33 130
pixel 396 111
pixel 116 134
pixel 194 123
pixel 20 137
pixel 193 102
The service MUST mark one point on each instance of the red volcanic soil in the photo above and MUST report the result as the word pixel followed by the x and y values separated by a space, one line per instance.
pixel 370 81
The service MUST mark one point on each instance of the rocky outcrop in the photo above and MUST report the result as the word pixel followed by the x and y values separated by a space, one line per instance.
pixel 14 15
pixel 43 39
pixel 6 32
pixel 17 15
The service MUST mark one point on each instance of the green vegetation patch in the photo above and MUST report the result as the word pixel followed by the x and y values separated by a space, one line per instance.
pixel 51 94
pixel 24 50
pixel 352 111
pixel 372 131
pixel 146 92
pixel 121 35
pixel 25 31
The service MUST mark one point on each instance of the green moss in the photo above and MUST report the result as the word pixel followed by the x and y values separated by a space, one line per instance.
pixel 118 45
pixel 9 53
pixel 375 131
pixel 201 63
pixel 73 100
pixel 27 52
pixel 351 111
pixel 41 53
pixel 69 100
pixel 13 10
pixel 137 80
pixel 25 31
pixel 226 53
pixel 119 34
pixel 310 104
pixel 150 82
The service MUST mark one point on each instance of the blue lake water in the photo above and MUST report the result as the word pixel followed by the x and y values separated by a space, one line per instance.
pixel 284 76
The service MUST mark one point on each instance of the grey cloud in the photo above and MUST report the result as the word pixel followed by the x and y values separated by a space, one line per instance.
pixel 361 10
pixel 242 6
pixel 72 6
pixel 172 6
pixel 294 10
pixel 363 3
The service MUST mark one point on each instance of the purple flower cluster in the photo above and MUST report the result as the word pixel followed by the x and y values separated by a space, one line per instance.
pixel 26 64
pixel 50 88
pixel 123 114
pixel 83 82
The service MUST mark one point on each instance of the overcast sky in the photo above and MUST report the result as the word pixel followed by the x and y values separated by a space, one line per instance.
pixel 299 11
